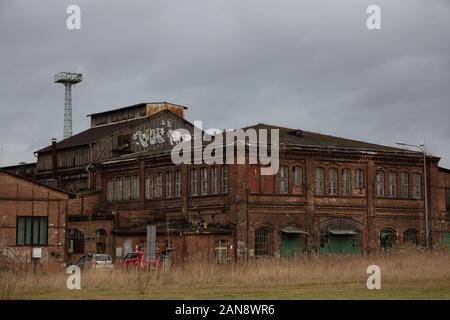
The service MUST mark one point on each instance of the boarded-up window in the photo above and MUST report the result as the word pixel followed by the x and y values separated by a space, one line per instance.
pixel 404 185
pixel 417 182
pixel 253 179
pixel 177 184
pixel 194 182
pixel 320 183
pixel 168 184
pixel 213 180
pixel 332 181
pixel 149 186
pixel 283 180
pixel 392 184
pixel 159 185
pixel 225 180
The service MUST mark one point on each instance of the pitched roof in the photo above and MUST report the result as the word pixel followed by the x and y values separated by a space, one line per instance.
pixel 93 134
pixel 296 137
pixel 36 182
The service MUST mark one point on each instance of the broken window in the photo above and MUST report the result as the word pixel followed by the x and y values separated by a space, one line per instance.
pixel 380 183
pixel 100 236
pixel 387 239
pixel 283 180
pixel 320 177
pixel 213 180
pixel 346 181
pixel 177 184
pixel 417 180
pixel 204 181
pixel 404 185
pixel 194 182
pixel 392 184
pixel 221 251
pixel 297 172
pixel 411 236
pixel 253 179
pixel 168 184
pixel 149 186
pixel 263 242
pixel 76 241
pixel 332 181
pixel 225 180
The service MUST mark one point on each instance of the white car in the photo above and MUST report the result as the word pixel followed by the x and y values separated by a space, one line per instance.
pixel 96 262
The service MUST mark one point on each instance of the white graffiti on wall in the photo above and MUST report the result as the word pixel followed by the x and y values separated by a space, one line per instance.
pixel 157 136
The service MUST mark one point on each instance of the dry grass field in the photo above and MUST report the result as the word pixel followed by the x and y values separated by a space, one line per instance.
pixel 405 275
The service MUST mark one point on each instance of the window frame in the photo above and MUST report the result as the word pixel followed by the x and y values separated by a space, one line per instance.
pixel 319 182
pixel 332 185
pixel 33 220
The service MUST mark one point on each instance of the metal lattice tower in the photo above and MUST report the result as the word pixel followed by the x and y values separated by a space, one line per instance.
pixel 68 80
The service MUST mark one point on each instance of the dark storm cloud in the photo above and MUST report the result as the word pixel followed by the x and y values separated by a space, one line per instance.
pixel 304 64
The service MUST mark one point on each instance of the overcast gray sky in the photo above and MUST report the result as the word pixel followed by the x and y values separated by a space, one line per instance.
pixel 311 65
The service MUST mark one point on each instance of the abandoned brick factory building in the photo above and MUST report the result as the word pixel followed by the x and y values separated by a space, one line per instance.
pixel 330 195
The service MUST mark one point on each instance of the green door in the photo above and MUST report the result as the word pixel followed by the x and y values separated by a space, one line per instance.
pixel 340 245
pixel 446 239
pixel 290 245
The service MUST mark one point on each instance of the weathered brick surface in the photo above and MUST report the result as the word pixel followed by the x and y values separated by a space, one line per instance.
pixel 20 197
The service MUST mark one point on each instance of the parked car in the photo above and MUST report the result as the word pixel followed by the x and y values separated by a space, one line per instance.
pixel 138 259
pixel 95 262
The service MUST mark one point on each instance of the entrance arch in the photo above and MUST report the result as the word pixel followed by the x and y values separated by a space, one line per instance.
pixel 340 238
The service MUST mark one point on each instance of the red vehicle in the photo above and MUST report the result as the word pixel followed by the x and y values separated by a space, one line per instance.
pixel 138 259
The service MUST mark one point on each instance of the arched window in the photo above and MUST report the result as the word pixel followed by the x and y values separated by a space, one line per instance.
pixel 263 242
pixel 76 241
pixel 411 236
pixel 387 239
pixel 320 177
pixel 332 181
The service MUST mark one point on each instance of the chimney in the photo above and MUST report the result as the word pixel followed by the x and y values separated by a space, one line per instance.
pixel 54 159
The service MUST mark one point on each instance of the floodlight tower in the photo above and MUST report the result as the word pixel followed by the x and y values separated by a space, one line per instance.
pixel 68 80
